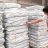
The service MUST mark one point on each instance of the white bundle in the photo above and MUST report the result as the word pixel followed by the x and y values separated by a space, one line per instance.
pixel 19 45
pixel 37 33
pixel 17 22
pixel 38 7
pixel 16 29
pixel 12 5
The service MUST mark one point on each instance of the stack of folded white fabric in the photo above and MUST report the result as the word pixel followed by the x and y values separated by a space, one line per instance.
pixel 37 32
pixel 1 32
pixel 16 29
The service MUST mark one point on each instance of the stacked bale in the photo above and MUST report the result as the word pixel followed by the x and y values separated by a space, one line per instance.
pixel 15 25
pixel 38 32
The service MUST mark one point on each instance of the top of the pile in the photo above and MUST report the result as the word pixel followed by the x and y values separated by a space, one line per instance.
pixel 35 10
pixel 9 5
pixel 12 5
pixel 39 7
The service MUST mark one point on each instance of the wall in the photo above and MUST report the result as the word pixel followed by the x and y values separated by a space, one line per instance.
pixel 30 1
pixel 26 2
